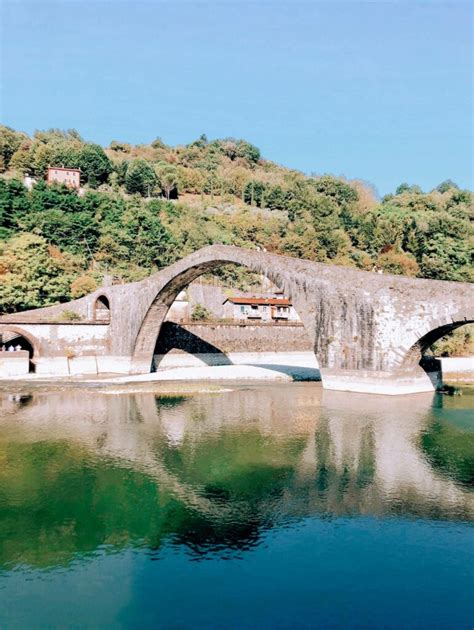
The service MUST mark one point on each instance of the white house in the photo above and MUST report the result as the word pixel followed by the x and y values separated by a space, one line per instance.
pixel 260 309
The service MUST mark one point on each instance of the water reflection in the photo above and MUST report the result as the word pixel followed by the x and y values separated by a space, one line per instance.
pixel 82 472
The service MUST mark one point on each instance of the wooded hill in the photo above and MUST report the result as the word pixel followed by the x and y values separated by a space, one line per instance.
pixel 143 207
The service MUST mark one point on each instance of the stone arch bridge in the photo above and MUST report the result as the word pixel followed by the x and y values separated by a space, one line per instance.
pixel 368 330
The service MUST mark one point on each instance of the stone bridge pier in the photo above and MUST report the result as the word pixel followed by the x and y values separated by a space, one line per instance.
pixel 368 330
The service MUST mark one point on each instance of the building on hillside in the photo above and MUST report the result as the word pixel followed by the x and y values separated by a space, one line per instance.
pixel 69 176
pixel 260 309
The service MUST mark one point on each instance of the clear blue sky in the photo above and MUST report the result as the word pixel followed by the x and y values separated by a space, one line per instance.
pixel 377 90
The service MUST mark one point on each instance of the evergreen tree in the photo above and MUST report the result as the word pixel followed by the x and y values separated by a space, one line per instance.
pixel 94 164
pixel 140 178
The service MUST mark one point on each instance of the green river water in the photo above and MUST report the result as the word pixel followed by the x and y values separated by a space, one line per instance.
pixel 250 506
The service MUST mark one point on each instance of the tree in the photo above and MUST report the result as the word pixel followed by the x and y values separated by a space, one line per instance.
pixel 459 343
pixel 406 188
pixel 66 148
pixel 54 134
pixel 10 140
pixel 139 237
pixel 276 198
pixel 140 178
pixel 446 185
pixel 94 164
pixel 54 196
pixel 233 149
pixel 54 150
pixel 120 169
pixel 334 243
pixel 398 263
pixel 254 193
pixel 158 144
pixel 190 180
pixel 200 313
pixel 83 286
pixel 323 218
pixel 201 142
pixel 341 192
pixel 120 147
pixel 248 151
pixel 332 240
pixel 63 217
pixel 461 198
pixel 14 205
pixel 22 159
pixel 168 179
pixel 42 155
pixel 32 274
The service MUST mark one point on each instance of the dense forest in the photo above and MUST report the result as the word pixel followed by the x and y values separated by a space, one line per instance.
pixel 143 207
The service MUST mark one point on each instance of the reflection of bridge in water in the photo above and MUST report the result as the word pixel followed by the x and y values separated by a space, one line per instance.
pixel 336 454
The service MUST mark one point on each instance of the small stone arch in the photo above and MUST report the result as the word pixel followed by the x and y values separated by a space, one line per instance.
pixel 415 353
pixel 20 337
pixel 101 312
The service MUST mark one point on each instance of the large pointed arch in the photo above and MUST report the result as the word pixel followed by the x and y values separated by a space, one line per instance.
pixel 148 334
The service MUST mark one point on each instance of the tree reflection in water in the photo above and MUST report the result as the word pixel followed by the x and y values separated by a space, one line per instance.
pixel 83 472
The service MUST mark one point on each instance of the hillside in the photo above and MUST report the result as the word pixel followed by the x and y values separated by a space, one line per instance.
pixel 143 207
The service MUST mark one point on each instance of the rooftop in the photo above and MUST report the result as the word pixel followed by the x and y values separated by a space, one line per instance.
pixel 63 168
pixel 259 301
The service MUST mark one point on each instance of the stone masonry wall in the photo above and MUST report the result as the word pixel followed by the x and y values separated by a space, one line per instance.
pixel 356 320
pixel 59 340
pixel 218 337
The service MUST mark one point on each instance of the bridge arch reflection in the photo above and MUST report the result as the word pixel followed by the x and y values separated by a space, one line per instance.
pixel 212 472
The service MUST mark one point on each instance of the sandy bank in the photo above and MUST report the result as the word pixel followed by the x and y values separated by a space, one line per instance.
pixel 268 366
pixel 184 368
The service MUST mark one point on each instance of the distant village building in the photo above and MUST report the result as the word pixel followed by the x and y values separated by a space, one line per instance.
pixel 68 176
pixel 260 309
pixel 241 308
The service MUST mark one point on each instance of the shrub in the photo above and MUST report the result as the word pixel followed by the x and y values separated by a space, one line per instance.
pixel 460 343
pixel 200 313
pixel 70 316
pixel 398 263
pixel 83 286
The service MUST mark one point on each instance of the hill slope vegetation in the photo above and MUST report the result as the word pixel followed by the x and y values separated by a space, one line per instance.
pixel 143 207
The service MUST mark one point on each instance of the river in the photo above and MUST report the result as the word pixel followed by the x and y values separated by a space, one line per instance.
pixel 241 506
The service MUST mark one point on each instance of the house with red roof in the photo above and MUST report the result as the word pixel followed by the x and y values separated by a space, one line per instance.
pixel 260 309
